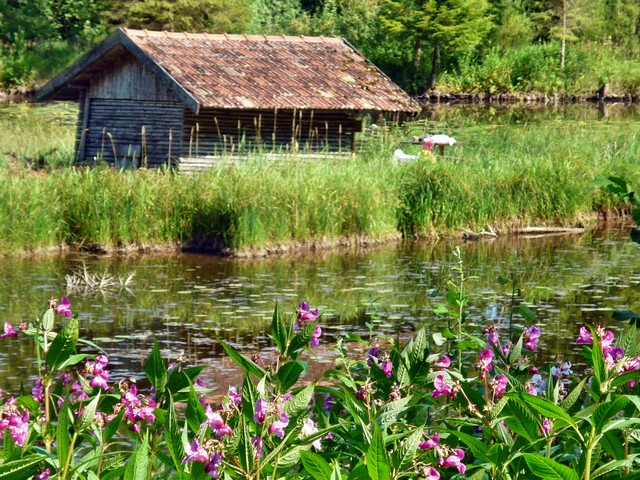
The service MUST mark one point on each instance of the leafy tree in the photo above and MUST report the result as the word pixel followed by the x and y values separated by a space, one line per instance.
pixel 450 28
pixel 279 17
pixel 214 16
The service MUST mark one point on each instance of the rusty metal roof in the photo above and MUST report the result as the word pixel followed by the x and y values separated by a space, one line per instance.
pixel 260 71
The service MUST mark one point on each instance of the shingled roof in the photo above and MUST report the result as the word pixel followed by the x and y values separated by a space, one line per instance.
pixel 245 71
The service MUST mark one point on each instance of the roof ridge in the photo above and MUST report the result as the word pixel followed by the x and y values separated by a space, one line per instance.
pixel 132 32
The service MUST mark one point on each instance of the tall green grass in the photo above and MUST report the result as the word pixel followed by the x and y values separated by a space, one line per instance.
pixel 498 176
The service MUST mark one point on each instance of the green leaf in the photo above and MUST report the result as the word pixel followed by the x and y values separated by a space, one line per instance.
pixel 543 407
pixel 156 371
pixel 21 469
pixel 289 374
pixel 603 413
pixel 247 365
pixel 392 411
pixel 516 351
pixel 301 339
pixel 611 466
pixel 278 330
pixel 300 402
pixel 441 310
pixel 611 444
pixel 528 314
pixel 503 280
pixel 547 468
pixel 111 428
pixel 628 341
pixel 180 380
pixel 64 345
pixel 195 411
pixel 138 466
pixel 88 414
pixel 359 472
pixel 63 437
pixel 573 397
pixel 316 466
pixel 48 320
pixel 478 449
pixel 376 457
pixel 172 436
pixel 246 452
pixel 635 236
pixel 625 315
pixel 73 360
pixel 403 457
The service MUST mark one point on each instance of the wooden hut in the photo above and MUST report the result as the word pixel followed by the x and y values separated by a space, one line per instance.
pixel 183 98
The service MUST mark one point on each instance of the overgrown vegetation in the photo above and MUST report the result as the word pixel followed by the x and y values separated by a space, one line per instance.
pixel 564 47
pixel 522 174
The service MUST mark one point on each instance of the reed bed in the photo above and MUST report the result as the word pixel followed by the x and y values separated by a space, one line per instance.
pixel 498 176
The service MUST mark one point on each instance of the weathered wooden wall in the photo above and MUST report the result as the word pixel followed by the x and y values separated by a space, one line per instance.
pixel 128 79
pixel 117 126
pixel 215 131
pixel 128 113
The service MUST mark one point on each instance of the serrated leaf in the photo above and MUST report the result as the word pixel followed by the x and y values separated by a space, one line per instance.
pixel 404 456
pixel 173 437
pixel 289 374
pixel 246 451
pixel 21 469
pixel 64 345
pixel 155 370
pixel 73 360
pixel 316 466
pixel 302 338
pixel 376 457
pixel 278 330
pixel 138 466
pixel 547 468
pixel 48 320
pixel 195 411
pixel 88 414
pixel 516 351
pixel 478 449
pixel 300 402
pixel 63 437
pixel 543 407
pixel 613 465
pixel 628 341
pixel 605 411
pixel 247 365
pixel 392 411
pixel 573 397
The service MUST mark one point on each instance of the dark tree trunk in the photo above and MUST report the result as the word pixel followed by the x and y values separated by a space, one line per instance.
pixel 434 66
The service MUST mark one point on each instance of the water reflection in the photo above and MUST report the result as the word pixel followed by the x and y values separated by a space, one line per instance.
pixel 188 301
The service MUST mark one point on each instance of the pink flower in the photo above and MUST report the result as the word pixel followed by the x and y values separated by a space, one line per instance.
pixel 257 444
pixel 531 336
pixel 607 339
pixel 444 362
pixel 585 337
pixel 430 443
pixel 546 426
pixel 484 364
pixel 431 474
pixel 278 426
pixel 305 314
pixel 441 388
pixel 43 475
pixel 499 385
pixel 195 453
pixel 315 340
pixel 65 307
pixel 234 397
pixel 216 423
pixel 387 368
pixel 9 331
pixel 261 411
pixel 454 461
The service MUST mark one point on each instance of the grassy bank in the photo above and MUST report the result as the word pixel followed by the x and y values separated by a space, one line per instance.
pixel 498 176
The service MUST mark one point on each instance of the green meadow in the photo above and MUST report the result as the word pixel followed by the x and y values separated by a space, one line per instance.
pixel 501 175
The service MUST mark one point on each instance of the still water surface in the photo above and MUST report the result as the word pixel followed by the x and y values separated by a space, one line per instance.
pixel 188 301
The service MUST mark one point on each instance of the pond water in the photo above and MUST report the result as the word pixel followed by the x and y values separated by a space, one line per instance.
pixel 189 301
